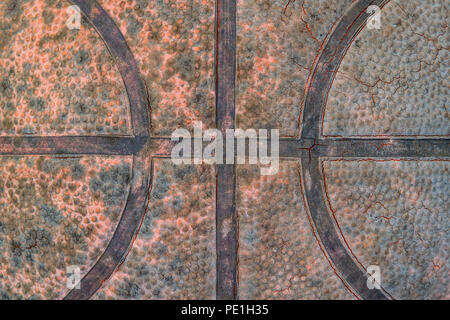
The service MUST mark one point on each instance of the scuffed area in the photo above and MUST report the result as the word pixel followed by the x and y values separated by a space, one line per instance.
pixel 277 45
pixel 395 214
pixel 279 258
pixel 174 254
pixel 173 44
pixel 55 213
pixel 394 81
pixel 56 81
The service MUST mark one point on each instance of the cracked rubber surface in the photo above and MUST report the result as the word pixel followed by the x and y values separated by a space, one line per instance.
pixel 184 235
pixel 395 214
pixel 394 81
pixel 56 213
pixel 173 257
pixel 56 81
pixel 279 257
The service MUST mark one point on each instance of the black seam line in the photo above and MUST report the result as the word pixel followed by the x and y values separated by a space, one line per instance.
pixel 135 207
pixel 226 218
pixel 88 145
pixel 341 38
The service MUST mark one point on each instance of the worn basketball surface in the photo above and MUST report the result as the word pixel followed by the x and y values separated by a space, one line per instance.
pixel 92 205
